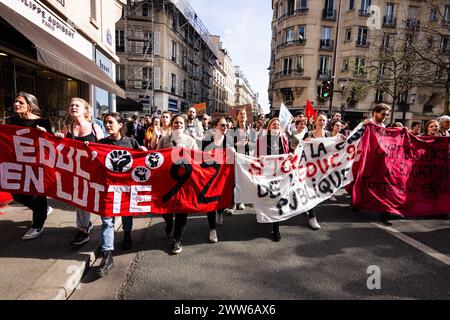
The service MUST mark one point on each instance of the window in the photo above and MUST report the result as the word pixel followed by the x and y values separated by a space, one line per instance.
pixel 365 4
pixel 345 64
pixel 324 67
pixel 120 40
pixel 348 35
pixel 147 49
pixel 444 44
pixel 362 36
pixel 389 11
pixel 145 11
pixel 379 96
pixel 299 64
pixel 291 7
pixel 147 76
pixel 326 33
pixel 301 34
pixel 447 14
pixel 351 5
pixel 174 51
pixel 174 83
pixel 287 66
pixel 289 36
pixel 386 41
pixel 360 65
pixel 303 4
pixel 412 13
pixel 433 15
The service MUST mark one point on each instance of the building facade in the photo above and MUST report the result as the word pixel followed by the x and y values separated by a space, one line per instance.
pixel 56 50
pixel 244 93
pixel 166 54
pixel 224 81
pixel 315 41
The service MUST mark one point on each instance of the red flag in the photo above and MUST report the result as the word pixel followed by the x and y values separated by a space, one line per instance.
pixel 5 199
pixel 310 113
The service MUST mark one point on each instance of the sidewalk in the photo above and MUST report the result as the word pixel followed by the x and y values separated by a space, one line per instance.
pixel 47 267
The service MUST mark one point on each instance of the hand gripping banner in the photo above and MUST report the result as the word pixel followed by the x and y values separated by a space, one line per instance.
pixel 402 174
pixel 114 181
pixel 284 186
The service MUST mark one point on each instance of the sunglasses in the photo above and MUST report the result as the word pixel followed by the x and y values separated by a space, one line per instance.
pixel 223 125
pixel 384 114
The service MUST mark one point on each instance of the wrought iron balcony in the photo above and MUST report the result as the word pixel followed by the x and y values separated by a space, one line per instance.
pixel 389 21
pixel 329 14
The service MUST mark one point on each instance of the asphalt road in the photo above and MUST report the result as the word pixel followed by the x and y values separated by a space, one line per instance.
pixel 331 263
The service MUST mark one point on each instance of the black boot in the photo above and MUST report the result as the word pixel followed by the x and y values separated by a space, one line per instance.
pixel 127 241
pixel 106 264
pixel 276 232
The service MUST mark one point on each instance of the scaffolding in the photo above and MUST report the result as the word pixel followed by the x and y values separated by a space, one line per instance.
pixel 197 52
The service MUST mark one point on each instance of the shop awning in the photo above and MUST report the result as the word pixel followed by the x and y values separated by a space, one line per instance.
pixel 58 56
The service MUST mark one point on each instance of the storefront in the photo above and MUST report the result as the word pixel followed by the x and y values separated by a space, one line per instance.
pixel 54 65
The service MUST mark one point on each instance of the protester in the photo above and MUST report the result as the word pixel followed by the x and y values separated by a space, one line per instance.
pixel 205 122
pixel 194 127
pixel 230 123
pixel 379 114
pixel 218 141
pixel 395 125
pixel 444 125
pixel 336 117
pixel 293 127
pixel 431 128
pixel 115 125
pixel 319 132
pixel 136 130
pixel 82 130
pixel 28 114
pixel 152 129
pixel 299 133
pixel 416 128
pixel 244 139
pixel 178 138
pixel 273 142
pixel 336 127
pixel 161 131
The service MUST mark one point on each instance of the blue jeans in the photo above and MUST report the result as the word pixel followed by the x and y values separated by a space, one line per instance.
pixel 107 238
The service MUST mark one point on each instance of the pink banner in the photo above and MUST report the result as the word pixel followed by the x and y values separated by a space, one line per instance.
pixel 402 174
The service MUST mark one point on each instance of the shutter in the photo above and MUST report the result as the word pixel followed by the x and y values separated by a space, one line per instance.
pixel 157 42
pixel 157 78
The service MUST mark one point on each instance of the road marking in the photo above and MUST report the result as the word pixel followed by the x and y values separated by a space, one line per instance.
pixel 416 244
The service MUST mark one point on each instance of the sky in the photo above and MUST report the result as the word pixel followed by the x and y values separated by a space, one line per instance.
pixel 244 27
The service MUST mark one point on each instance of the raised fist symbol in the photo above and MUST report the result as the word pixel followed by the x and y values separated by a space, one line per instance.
pixel 120 160
pixel 141 174
pixel 153 159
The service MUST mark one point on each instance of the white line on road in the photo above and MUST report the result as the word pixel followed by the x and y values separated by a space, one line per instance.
pixel 416 244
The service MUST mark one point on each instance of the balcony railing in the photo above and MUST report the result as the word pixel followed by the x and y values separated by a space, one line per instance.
pixel 364 12
pixel 389 21
pixel 301 11
pixel 329 14
pixel 324 73
pixel 412 23
pixel 326 44
pixel 362 43
pixel 299 42
pixel 289 73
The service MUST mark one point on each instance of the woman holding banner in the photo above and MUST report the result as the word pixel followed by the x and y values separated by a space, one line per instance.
pixel 115 126
pixel 28 114
pixel 319 131
pixel 273 142
pixel 218 141
pixel 431 128
pixel 81 129
pixel 181 140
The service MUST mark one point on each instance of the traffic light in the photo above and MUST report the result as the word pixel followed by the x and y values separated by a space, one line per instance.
pixel 327 86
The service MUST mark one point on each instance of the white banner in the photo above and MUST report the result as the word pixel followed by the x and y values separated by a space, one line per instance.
pixel 283 186
pixel 285 117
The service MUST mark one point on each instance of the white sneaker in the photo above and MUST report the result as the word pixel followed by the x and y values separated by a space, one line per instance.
pixel 229 211
pixel 49 210
pixel 219 219
pixel 213 236
pixel 333 198
pixel 313 224
pixel 32 233
pixel 241 206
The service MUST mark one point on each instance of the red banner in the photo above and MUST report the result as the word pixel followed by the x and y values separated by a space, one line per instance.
pixel 113 181
pixel 402 174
